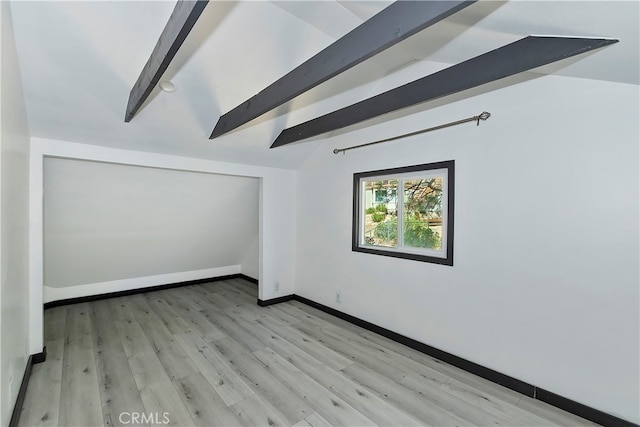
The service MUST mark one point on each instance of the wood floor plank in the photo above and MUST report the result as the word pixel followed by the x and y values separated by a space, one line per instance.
pixel 461 408
pixel 319 314
pixel 171 320
pixel 356 354
pixel 140 353
pixel 287 404
pixel 227 322
pixel 249 313
pixel 231 290
pixel 154 385
pixel 79 394
pixel 204 404
pixel 183 298
pixel 258 336
pixel 316 420
pixel 211 296
pixel 312 347
pixel 402 397
pixel 198 321
pixel 296 312
pixel 512 415
pixel 386 355
pixel 217 302
pixel 118 390
pixel 551 414
pixel 171 355
pixel 253 411
pixel 161 399
pixel 451 371
pixel 224 380
pixel 245 294
pixel 243 285
pixel 274 313
pixel 120 309
pixel 375 408
pixel 54 321
pixel 313 420
pixel 254 312
pixel 325 402
pixel 45 380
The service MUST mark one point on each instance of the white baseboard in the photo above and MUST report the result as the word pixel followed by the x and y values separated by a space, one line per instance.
pixel 56 294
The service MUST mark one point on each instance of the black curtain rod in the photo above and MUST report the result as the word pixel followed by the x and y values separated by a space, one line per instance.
pixel 482 116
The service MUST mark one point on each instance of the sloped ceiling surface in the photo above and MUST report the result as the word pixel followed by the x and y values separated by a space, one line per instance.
pixel 79 61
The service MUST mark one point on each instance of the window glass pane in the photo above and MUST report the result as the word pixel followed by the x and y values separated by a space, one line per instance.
pixel 381 213
pixel 405 212
pixel 422 220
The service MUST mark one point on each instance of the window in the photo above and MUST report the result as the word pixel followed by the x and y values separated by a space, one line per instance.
pixel 405 212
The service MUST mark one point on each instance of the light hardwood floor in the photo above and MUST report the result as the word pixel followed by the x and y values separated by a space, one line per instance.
pixel 208 355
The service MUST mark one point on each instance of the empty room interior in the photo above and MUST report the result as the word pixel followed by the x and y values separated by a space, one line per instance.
pixel 309 213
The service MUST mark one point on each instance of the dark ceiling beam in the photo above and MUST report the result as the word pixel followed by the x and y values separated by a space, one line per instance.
pixel 182 19
pixel 392 25
pixel 522 55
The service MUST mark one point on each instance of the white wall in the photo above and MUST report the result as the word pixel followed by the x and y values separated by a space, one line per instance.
pixel 545 280
pixel 14 214
pixel 250 265
pixel 276 223
pixel 107 222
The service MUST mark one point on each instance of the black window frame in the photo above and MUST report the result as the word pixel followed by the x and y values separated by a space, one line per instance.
pixel 449 165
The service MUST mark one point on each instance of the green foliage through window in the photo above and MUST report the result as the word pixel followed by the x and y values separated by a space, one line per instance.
pixel 388 232
pixel 381 208
pixel 378 216
pixel 418 234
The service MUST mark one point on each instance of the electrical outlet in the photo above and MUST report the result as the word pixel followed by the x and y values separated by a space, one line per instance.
pixel 338 297
pixel 277 286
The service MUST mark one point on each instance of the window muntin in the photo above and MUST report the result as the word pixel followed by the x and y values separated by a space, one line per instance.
pixel 405 212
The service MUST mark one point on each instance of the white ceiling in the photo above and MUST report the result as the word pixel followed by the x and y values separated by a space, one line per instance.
pixel 79 61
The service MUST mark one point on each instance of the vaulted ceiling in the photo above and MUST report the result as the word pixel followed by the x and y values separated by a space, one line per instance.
pixel 79 61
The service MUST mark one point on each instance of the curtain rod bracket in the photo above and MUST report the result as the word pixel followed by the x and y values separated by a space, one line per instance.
pixel 482 116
